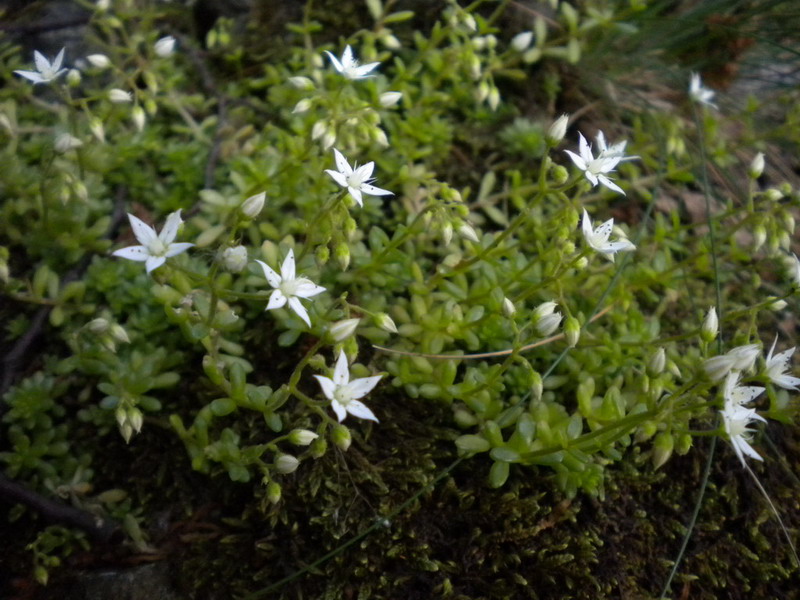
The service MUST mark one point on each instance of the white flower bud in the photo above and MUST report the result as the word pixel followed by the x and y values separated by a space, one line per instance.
pixel 508 307
pixel 341 437
pixel 386 323
pixel 252 206
pixel 165 46
pixel 521 41
pixel 234 259
pixel 119 334
pixel 744 357
pixel 777 305
pixel 135 418
pixel 710 326
pixel 102 5
pixel 286 463
pixel 98 326
pixel 390 41
pixel 544 309
pixel 447 233
pixel 557 130
pixel 759 236
pixel 301 83
pixel 773 195
pixel 657 362
pixel 302 106
pixel 756 166
pixel 494 98
pixel 469 22
pixel 328 139
pixel 119 96
pixel 138 117
pixel 341 330
pixel 318 130
pixel 548 324
pixel 97 129
pixel 302 437
pixel 274 492
pixel 66 142
pixel 380 137
pixel 100 61
pixel 389 99
pixel 468 233
pixel 73 77
pixel 572 331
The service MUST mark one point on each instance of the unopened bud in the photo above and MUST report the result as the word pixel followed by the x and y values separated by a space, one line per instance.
pixel 341 437
pixel 251 207
pixel 557 131
pixel 560 174
pixel 657 362
pixel 389 99
pixel 494 98
pixel 521 41
pixel 138 117
pixel 328 139
pixel 286 463
pixel 97 129
pixel 756 166
pixel 662 448
pixel 537 386
pixel 274 492
pixel 118 96
pixel 468 233
pixel 302 106
pixel 66 142
pixel 98 326
pixel 301 83
pixel 165 46
pixel 73 77
pixel 759 236
pixel 119 334
pixel 544 309
pixel 773 195
pixel 548 324
pixel 572 331
pixel 776 304
pixel 99 60
pixel 342 254
pixel 302 437
pixel 235 259
pixel 386 323
pixel 710 326
pixel 508 307
pixel 341 330
pixel 135 418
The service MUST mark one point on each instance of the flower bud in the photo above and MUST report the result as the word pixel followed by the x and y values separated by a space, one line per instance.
pixel 99 60
pixel 494 98
pixel 560 174
pixel 138 117
pixel 544 309
pixel 234 259
pixel 773 195
pixel 165 46
pixel 657 362
pixel 557 131
pixel 662 448
pixel 274 492
pixel 508 307
pixel 521 41
pixel 776 304
pixel 342 254
pixel 537 386
pixel 341 437
pixel 390 41
pixel 341 330
pixel 302 106
pixel 328 139
pixel 548 324
pixel 379 135
pixel 466 231
pixel 759 236
pixel 318 130
pixel 756 166
pixel 135 418
pixel 119 334
pixel 386 323
pixel 389 99
pixel 102 5
pixel 710 326
pixel 118 96
pixel 73 77
pixel 286 463
pixel 301 83
pixel 98 326
pixel 572 331
pixel 97 129
pixel 251 207
pixel 302 437
pixel 66 142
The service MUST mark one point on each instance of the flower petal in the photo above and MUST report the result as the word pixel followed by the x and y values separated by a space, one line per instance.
pixel 276 300
pixel 294 304
pixel 375 191
pixel 591 177
pixel 339 178
pixel 363 71
pixel 356 194
pixel 287 268
pixel 175 249
pixel 137 253
pixel 363 385
pixel 153 262
pixel 360 410
pixel 341 374
pixel 272 277
pixel 584 149
pixel 170 230
pixel 347 57
pixel 340 411
pixel 336 64
pixel 58 60
pixel 610 184
pixel 601 234
pixel 341 163
pixel 364 172
pixel 31 76
pixel 307 289
pixel 577 160
pixel 620 246
pixel 327 385
pixel 42 64
pixel 143 232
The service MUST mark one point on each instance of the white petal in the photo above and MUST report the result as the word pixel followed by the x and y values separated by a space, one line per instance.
pixel 365 171
pixel 336 64
pixel 153 262
pixel 375 191
pixel 341 413
pixel 740 443
pixel 620 246
pixel 610 184
pixel 363 70
pixel 175 249
pixel 287 268
pixel 584 149
pixel 170 231
pixel 363 385
pixel 586 225
pixel 347 57
pixel 276 300
pixel 307 289
pixel 360 410
pixel 33 76
pixel 356 194
pixel 771 350
pixel 341 374
pixel 327 385
pixel 579 162
pixel 58 60
pixel 143 232
pixel 600 235
pixel 339 178
pixel 591 177
pixel 272 277
pixel 294 304
pixel 137 253
pixel 601 141
pixel 341 163
pixel 787 382
pixel 42 64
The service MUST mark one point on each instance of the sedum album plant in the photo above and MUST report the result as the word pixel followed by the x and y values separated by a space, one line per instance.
pixel 439 286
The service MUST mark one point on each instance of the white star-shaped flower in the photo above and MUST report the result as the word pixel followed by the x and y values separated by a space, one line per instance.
pixel 738 395
pixel 155 248
pixel 778 365
pixel 741 358
pixel 736 419
pixel 700 94
pixel 289 288
pixel 349 66
pixel 598 238
pixel 344 394
pixel 45 70
pixel 355 180
pixel 607 159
